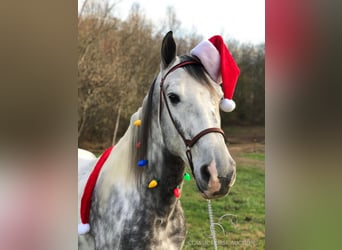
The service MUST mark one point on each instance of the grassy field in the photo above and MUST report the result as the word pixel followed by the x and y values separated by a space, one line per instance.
pixel 240 215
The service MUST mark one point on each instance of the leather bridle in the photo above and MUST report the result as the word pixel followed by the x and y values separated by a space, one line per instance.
pixel 189 143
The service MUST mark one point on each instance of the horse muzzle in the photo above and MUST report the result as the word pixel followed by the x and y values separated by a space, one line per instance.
pixel 211 184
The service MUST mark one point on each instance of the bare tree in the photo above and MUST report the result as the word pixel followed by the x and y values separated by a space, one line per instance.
pixel 118 60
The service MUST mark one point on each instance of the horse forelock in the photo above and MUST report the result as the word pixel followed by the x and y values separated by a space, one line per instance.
pixel 197 71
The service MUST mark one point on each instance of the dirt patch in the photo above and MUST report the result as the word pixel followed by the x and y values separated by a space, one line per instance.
pixel 245 134
pixel 238 152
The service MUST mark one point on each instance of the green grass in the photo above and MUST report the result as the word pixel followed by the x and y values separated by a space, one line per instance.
pixel 243 227
pixel 255 156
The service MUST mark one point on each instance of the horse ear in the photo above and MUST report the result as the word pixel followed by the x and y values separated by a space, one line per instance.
pixel 168 49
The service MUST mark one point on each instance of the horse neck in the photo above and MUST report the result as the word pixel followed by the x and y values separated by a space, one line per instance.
pixel 164 167
pixel 116 171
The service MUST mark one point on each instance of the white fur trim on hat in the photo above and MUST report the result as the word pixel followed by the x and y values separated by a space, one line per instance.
pixel 227 105
pixel 210 58
pixel 83 228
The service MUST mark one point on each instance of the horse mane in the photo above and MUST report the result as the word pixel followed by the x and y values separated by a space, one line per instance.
pixel 142 135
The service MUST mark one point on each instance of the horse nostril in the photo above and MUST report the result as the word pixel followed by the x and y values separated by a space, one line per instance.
pixel 205 173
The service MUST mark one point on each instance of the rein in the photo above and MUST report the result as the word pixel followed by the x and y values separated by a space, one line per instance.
pixel 189 143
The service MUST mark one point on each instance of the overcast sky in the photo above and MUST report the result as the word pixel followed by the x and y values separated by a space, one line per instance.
pixel 243 20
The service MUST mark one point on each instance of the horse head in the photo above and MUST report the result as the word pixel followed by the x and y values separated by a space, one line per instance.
pixel 189 112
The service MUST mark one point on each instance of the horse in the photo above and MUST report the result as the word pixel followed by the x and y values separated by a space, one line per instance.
pixel 178 124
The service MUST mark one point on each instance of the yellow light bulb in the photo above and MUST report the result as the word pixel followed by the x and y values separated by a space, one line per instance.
pixel 153 184
pixel 137 123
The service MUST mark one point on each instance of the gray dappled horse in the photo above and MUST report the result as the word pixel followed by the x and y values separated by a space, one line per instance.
pixel 180 125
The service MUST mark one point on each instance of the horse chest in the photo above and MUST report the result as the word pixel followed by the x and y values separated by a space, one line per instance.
pixel 171 236
pixel 129 224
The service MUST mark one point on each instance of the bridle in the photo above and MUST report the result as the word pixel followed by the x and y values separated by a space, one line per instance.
pixel 189 143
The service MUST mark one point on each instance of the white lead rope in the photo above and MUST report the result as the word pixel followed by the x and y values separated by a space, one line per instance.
pixel 212 226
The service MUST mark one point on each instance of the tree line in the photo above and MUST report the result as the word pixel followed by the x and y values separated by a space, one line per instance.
pixel 118 60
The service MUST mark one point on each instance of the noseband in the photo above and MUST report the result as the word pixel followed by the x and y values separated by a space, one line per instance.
pixel 189 143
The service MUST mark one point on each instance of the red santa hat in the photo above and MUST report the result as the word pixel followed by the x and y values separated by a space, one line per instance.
pixel 220 65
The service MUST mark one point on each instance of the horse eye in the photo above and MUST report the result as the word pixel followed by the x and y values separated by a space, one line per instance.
pixel 174 98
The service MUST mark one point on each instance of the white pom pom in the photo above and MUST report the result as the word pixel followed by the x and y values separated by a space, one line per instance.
pixel 83 228
pixel 227 105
